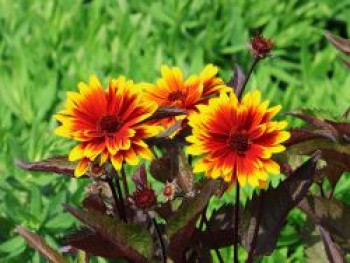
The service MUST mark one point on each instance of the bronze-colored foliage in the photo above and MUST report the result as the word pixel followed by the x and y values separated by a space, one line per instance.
pixel 39 244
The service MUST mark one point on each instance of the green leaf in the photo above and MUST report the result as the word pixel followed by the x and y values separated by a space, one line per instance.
pixel 12 244
pixel 63 220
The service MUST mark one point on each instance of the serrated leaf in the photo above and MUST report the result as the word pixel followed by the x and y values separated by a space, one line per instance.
pixel 58 164
pixel 133 240
pixel 39 244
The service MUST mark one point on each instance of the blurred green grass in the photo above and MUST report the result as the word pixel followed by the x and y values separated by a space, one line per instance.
pixel 47 47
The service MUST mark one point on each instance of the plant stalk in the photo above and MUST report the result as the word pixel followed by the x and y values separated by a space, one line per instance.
pixel 117 207
pixel 160 239
pixel 235 244
pixel 252 66
pixel 256 230
pixel 125 182
pixel 239 96
pixel 205 221
pixel 123 210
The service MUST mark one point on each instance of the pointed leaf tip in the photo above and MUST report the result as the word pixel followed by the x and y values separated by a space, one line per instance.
pixel 58 164
pixel 38 243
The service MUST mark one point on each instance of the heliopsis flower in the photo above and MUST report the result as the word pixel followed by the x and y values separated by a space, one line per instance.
pixel 235 140
pixel 173 90
pixel 107 123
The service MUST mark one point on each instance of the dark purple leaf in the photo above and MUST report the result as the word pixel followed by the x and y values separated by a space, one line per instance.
pixel 331 214
pixel 341 44
pixel 198 253
pixel 39 244
pixel 181 225
pixel 164 210
pixel 185 175
pixel 134 241
pixel 166 168
pixel 58 164
pixel 94 202
pixel 277 204
pixel 161 169
pixel 220 228
pixel 171 130
pixel 140 176
pixel 333 251
pixel 166 112
pixel 238 80
pixel 301 135
pixel 332 172
pixel 325 129
pixel 93 243
pixel 342 128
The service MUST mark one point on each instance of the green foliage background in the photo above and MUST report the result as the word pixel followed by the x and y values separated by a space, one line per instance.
pixel 47 47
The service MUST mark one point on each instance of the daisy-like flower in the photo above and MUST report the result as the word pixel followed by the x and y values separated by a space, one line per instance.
pixel 107 123
pixel 236 140
pixel 173 90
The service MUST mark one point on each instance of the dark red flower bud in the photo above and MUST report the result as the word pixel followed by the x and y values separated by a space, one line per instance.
pixel 144 198
pixel 260 46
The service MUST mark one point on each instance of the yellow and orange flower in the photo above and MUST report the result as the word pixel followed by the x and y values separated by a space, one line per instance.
pixel 173 91
pixel 236 140
pixel 107 123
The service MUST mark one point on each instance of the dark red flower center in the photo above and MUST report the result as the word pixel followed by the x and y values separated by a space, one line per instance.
pixel 239 142
pixel 109 124
pixel 175 95
pixel 144 198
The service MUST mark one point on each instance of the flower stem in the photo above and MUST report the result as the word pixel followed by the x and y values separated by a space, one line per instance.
pixel 252 66
pixel 205 221
pixel 239 96
pixel 122 206
pixel 117 206
pixel 235 244
pixel 125 182
pixel 160 239
pixel 256 230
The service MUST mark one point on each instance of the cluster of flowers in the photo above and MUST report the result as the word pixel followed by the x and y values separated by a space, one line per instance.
pixel 233 138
